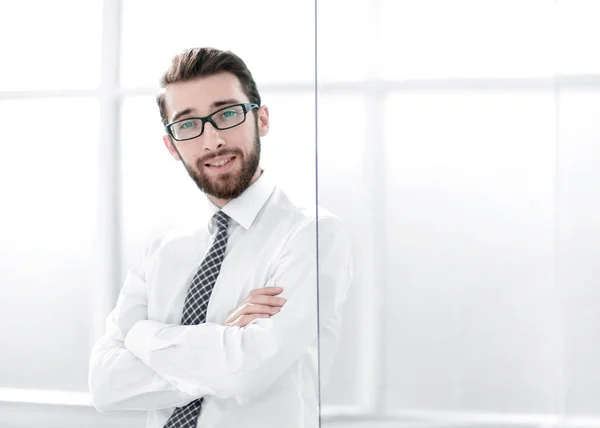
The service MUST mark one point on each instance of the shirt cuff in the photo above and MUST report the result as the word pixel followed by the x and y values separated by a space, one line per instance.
pixel 141 339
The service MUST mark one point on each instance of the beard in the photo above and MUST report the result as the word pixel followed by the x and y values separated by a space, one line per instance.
pixel 232 184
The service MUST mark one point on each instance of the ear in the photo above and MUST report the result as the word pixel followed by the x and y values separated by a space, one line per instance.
pixel 169 144
pixel 263 121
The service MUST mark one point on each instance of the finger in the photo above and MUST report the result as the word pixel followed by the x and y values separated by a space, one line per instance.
pixel 267 300
pixel 269 291
pixel 244 320
pixel 250 308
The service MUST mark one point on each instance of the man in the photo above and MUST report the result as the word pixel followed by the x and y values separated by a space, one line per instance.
pixel 201 335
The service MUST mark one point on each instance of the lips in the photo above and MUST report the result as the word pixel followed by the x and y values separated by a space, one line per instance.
pixel 219 163
pixel 226 167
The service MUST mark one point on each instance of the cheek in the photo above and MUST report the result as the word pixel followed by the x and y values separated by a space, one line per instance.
pixel 189 154
pixel 242 140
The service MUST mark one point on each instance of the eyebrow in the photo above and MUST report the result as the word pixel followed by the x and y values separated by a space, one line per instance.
pixel 213 106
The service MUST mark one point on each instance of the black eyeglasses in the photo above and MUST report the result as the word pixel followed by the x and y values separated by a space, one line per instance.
pixel 225 118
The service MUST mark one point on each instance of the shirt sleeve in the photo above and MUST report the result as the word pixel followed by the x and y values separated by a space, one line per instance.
pixel 238 362
pixel 117 379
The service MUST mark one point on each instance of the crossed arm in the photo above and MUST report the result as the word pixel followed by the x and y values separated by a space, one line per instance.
pixel 142 364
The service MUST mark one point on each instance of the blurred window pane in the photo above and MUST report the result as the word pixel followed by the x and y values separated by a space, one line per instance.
pixel 48 229
pixel 277 45
pixel 579 36
pixel 345 35
pixel 289 148
pixel 50 44
pixel 467 38
pixel 470 215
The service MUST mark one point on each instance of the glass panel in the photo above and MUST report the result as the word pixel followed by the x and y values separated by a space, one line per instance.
pixel 342 190
pixel 578 237
pixel 467 38
pixel 48 229
pixel 470 220
pixel 278 49
pixel 48 48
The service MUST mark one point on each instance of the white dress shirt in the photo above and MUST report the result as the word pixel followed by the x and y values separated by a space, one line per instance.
pixel 262 375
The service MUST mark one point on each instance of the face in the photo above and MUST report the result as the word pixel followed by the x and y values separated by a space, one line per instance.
pixel 201 155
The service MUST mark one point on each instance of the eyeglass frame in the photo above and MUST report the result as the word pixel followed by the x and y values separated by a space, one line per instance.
pixel 247 107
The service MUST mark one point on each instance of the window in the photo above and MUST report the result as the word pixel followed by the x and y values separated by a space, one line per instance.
pixel 50 177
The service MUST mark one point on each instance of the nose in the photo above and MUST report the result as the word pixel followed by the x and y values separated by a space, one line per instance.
pixel 212 139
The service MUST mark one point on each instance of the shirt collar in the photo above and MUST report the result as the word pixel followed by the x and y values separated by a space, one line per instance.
pixel 245 208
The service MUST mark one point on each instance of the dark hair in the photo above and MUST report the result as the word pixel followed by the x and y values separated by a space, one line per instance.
pixel 204 62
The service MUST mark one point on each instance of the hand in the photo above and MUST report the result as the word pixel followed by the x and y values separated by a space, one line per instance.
pixel 260 303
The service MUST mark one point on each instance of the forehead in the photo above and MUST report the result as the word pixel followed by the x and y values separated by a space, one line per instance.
pixel 200 93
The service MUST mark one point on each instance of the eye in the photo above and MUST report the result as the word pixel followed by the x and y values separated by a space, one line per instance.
pixel 188 124
pixel 228 114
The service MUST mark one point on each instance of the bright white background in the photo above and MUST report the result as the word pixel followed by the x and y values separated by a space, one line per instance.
pixel 458 140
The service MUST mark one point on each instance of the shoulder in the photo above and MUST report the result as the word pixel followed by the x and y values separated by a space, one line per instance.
pixel 303 217
pixel 310 225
